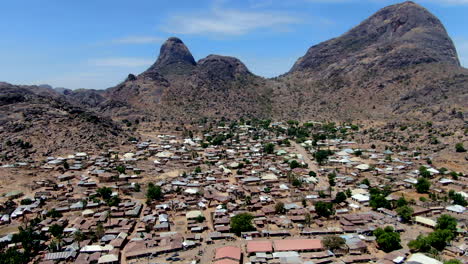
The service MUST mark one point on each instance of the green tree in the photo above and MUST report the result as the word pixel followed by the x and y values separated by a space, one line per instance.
pixel 453 261
pixel 296 182
pixel 154 192
pixel 294 164
pixel 387 239
pixel 56 230
pixel 377 200
pixel 459 199
pixel 13 256
pixel 366 182
pixel 248 200
pixel 454 175
pixel 105 193
pixel 423 172
pixel 349 193
pixel 340 197
pixel 459 147
pixel 405 212
pixel 447 222
pixel 26 201
pixel 269 148
pixel 324 209
pixel 331 179
pixel 439 238
pixel 79 236
pixel 54 213
pixel 120 169
pixel 321 156
pixel 242 223
pixel 279 208
pixel 200 219
pixel 308 219
pixel 100 231
pixel 446 229
pixel 66 165
pixel 423 185
pixel 420 244
pixel 30 241
pixel 401 202
pixel 113 201
pixel 333 242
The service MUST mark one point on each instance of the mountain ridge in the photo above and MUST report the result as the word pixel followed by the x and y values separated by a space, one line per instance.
pixel 398 63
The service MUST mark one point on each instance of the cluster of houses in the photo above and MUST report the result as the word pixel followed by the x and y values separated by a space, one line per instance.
pixel 203 187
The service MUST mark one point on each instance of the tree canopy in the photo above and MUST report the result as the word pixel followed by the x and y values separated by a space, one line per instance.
pixel 387 239
pixel 333 242
pixel 405 213
pixel 324 209
pixel 423 185
pixel 242 223
pixel 154 192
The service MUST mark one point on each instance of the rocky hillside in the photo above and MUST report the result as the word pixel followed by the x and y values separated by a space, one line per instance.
pixel 178 88
pixel 33 125
pixel 400 62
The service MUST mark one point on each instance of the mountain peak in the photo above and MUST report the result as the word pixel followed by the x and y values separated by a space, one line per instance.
pixel 222 67
pixel 397 35
pixel 174 58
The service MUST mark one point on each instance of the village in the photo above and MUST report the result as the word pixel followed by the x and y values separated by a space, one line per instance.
pixel 242 192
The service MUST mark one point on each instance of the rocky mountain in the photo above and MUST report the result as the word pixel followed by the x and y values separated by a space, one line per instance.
pixel 34 125
pixel 400 62
pixel 178 88
pixel 396 36
pixel 174 58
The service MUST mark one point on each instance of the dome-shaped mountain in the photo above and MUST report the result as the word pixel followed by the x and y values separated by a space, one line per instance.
pixel 174 58
pixel 221 67
pixel 396 36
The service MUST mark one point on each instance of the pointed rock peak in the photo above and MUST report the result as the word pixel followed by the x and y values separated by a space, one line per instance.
pixel 174 58
pixel 222 66
pixel 174 51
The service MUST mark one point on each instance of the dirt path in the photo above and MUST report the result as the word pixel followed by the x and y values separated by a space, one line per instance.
pixel 313 166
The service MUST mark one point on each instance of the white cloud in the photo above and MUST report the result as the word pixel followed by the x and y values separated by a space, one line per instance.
pixel 128 62
pixel 138 40
pixel 228 22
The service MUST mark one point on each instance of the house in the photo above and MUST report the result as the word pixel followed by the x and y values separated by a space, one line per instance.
pixel 231 253
pixel 300 245
pixel 419 258
pixel 254 247
pixel 61 256
pixel 425 221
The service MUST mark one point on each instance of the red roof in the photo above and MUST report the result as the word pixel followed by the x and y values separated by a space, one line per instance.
pixel 230 252
pixel 259 246
pixel 226 261
pixel 297 244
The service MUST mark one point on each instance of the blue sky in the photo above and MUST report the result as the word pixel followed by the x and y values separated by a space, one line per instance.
pixel 96 43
